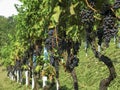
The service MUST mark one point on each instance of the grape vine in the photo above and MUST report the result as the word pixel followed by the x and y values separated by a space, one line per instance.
pixel 73 22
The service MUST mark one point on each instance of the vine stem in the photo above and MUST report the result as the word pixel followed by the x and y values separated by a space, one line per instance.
pixel 114 13
pixel 97 18
pixel 90 6
pixel 107 61
pixel 74 76
pixel 56 36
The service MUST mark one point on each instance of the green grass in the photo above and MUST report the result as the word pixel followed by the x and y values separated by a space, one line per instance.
pixel 7 84
pixel 89 73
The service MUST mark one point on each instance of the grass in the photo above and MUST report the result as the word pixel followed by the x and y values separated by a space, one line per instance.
pixel 7 84
pixel 89 73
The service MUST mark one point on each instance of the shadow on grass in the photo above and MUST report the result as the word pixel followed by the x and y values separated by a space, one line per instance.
pixel 52 86
pixel 64 88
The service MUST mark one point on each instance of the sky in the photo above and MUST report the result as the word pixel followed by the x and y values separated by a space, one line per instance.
pixel 7 7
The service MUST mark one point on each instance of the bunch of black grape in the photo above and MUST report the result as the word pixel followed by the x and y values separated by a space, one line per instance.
pixel 72 46
pixel 51 46
pixel 76 46
pixel 72 62
pixel 50 42
pixel 72 59
pixel 116 4
pixel 53 60
pixel 62 46
pixel 87 16
pixel 109 28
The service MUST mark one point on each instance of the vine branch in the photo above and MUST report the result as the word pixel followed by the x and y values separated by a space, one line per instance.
pixel 97 18
pixel 115 14
pixel 90 6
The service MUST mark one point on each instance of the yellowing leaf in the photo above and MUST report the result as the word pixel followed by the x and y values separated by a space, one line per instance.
pixel 72 9
pixel 57 11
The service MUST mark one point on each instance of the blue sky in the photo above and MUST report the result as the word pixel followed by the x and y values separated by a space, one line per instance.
pixel 7 7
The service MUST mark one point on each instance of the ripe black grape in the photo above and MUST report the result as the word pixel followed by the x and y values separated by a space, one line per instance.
pixel 76 47
pixel 109 28
pixel 116 4
pixel 87 16
pixel 72 62
pixel 51 32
